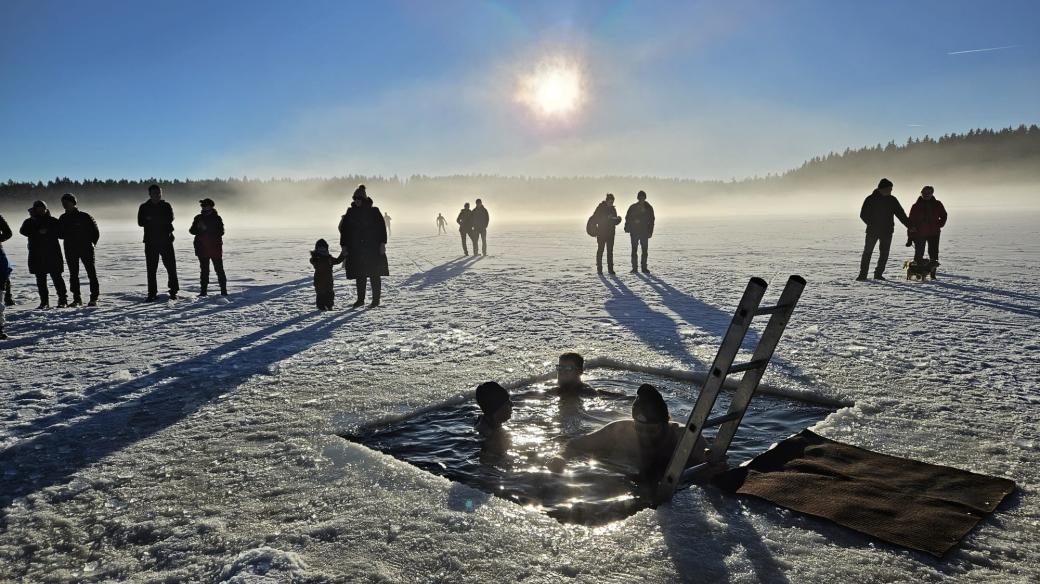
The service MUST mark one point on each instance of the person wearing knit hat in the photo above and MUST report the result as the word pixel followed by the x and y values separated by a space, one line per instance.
pixel 879 210
pixel 323 263
pixel 80 232
pixel 208 229
pixel 496 408
pixel 642 445
pixel 45 258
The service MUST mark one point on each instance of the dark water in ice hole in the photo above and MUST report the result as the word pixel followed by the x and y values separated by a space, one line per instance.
pixel 444 442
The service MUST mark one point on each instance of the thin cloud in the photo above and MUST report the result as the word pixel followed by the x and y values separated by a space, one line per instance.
pixel 986 50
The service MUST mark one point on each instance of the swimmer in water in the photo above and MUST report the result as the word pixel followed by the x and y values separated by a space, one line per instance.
pixel 642 445
pixel 568 379
pixel 496 408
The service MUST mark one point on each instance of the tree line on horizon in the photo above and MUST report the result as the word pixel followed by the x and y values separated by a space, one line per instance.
pixel 1013 152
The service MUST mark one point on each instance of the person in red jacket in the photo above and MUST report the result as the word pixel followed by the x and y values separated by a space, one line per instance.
pixel 927 218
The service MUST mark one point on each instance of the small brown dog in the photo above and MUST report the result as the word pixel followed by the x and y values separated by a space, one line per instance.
pixel 920 270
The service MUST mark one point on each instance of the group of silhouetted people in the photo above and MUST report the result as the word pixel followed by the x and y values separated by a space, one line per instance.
pixel 924 225
pixel 473 224
pixel 643 445
pixel 639 224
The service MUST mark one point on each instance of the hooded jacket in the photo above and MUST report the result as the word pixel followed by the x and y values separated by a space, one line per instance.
pixel 879 213
pixel 927 218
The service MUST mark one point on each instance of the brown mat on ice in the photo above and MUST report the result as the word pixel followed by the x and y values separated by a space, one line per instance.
pixel 909 503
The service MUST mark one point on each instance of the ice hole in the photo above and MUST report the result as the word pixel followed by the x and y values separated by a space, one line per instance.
pixel 441 440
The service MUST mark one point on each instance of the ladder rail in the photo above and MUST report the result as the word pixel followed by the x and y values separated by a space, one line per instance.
pixel 763 353
pixel 728 350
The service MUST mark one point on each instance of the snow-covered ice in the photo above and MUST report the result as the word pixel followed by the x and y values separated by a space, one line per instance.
pixel 196 440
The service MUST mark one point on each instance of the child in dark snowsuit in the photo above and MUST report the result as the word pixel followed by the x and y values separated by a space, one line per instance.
pixel 323 263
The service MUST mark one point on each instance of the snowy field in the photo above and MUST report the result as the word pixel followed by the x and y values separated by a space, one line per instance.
pixel 196 440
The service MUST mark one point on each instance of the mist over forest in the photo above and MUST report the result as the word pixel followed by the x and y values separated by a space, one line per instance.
pixel 979 169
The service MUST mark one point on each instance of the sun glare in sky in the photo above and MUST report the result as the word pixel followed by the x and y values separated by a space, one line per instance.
pixel 553 90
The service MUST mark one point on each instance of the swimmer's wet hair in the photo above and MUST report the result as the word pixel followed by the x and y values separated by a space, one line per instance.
pixel 649 406
pixel 491 396
pixel 575 358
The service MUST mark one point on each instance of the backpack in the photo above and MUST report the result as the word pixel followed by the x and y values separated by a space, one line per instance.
pixel 592 227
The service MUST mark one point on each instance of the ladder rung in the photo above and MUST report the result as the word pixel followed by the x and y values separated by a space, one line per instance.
pixel 748 366
pixel 723 419
pixel 771 309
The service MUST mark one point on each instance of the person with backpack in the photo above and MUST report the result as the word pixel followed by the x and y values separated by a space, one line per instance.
pixel 639 224
pixel 602 226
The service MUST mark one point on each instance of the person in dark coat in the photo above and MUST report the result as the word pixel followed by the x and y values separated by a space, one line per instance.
pixel 639 224
pixel 927 218
pixel 45 253
pixel 363 239
pixel 208 229
pixel 480 222
pixel 80 232
pixel 323 262
pixel 606 219
pixel 5 270
pixel 878 211
pixel 156 216
pixel 465 221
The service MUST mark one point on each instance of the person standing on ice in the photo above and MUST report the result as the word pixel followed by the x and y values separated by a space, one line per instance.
pixel 363 239
pixel 386 219
pixel 156 216
pixel 465 221
pixel 208 229
pixel 480 225
pixel 5 270
pixel 878 211
pixel 45 257
pixel 80 232
pixel 927 218
pixel 606 219
pixel 323 263
pixel 639 224
pixel 442 224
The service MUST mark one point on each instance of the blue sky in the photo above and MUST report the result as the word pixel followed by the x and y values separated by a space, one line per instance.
pixel 705 90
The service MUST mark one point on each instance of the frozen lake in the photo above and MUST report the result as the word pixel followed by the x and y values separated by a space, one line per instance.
pixel 196 440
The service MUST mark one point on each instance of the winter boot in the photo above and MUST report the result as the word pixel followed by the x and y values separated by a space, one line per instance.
pixel 93 301
pixel 76 301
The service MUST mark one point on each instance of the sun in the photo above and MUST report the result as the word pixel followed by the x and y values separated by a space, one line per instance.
pixel 553 90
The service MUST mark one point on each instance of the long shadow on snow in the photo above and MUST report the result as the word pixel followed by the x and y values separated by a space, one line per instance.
pixel 653 328
pixel 713 320
pixel 948 291
pixel 73 442
pixel 440 274
pixel 76 320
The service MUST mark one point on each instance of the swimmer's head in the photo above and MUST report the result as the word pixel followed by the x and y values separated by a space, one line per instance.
pixel 569 369
pixel 649 408
pixel 494 402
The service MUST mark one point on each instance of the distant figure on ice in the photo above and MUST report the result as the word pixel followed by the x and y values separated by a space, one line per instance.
pixel 643 445
pixel 480 225
pixel 363 238
pixel 80 232
pixel 208 229
pixel 496 408
pixel 465 221
pixel 442 224
pixel 878 211
pixel 156 216
pixel 927 218
pixel 45 253
pixel 323 263
pixel 5 270
pixel 386 219
pixel 639 224
pixel 605 219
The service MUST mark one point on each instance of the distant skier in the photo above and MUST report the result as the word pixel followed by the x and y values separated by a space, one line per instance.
pixel 639 224
pixel 45 257
pixel 363 238
pixel 496 408
pixel 465 221
pixel 878 211
pixel 644 444
pixel 386 219
pixel 480 225
pixel 323 262
pixel 5 270
pixel 606 219
pixel 442 224
pixel 927 218
pixel 208 229
pixel 156 216
pixel 80 232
